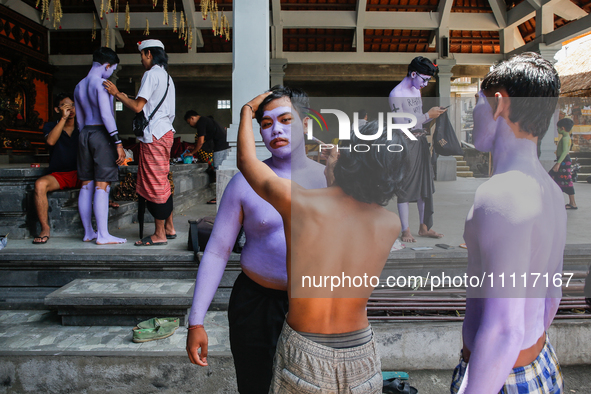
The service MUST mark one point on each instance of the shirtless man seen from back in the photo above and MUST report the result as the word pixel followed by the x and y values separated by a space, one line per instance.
pixel 342 229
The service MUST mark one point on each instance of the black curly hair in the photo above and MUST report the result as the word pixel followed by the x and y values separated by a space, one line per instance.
pixel 299 100
pixel 374 176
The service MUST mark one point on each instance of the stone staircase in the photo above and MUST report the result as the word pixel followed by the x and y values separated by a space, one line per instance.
pixel 584 159
pixel 463 170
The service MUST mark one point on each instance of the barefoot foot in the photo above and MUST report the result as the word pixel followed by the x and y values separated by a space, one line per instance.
pixel 406 236
pixel 423 232
pixel 109 240
pixel 90 237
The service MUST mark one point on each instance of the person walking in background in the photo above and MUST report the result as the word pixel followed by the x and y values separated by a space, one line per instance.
pixel 561 171
pixel 156 143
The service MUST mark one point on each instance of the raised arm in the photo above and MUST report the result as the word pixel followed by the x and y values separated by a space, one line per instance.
pixel 211 269
pixel 273 189
pixel 505 230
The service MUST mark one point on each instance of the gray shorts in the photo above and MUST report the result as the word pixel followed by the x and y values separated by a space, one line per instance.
pixel 305 367
pixel 97 155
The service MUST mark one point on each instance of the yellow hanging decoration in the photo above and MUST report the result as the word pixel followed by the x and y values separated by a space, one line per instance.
pixel 116 13
pixel 102 9
pixel 147 31
pixel 154 3
pixel 174 23
pixel 108 7
pixel 186 33
pixel 107 36
pixel 214 23
pixel 127 18
pixel 37 3
pixel 44 9
pixel 226 27
pixel 205 4
pixel 190 38
pixel 57 13
pixel 182 25
pixel 165 11
pixel 93 27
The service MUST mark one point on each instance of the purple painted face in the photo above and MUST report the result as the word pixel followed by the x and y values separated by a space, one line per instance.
pixel 281 128
pixel 419 81
pixel 485 126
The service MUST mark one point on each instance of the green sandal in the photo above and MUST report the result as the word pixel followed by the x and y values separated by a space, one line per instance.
pixel 154 329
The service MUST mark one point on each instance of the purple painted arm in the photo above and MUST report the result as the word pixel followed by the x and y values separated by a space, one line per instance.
pixel 225 230
pixel 105 102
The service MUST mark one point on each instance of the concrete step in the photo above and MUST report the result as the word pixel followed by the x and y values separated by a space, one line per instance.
pixel 104 359
pixel 580 154
pixel 459 158
pixel 462 163
pixel 465 174
pixel 463 168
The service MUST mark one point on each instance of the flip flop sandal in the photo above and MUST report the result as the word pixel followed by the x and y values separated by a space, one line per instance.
pixel 147 241
pixel 44 240
pixel 397 386
pixel 568 206
pixel 173 236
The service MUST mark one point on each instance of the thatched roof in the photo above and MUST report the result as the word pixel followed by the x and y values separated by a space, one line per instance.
pixel 575 72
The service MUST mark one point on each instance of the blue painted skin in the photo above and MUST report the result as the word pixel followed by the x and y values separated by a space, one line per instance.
pixel 517 223
pixel 263 257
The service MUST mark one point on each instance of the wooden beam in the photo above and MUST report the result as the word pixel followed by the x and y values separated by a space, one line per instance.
pixel 444 10
pixel 24 9
pixel 519 14
pixel 573 29
pixel 359 39
pixel 568 10
pixel 499 9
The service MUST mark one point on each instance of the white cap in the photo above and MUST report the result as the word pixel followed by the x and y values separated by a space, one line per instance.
pixel 149 44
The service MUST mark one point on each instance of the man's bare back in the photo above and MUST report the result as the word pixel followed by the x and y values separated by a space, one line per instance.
pixel 331 234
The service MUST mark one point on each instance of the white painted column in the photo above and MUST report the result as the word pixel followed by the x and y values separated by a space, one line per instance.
pixel 250 76
pixel 278 71
pixel 444 80
pixel 250 66
pixel 548 147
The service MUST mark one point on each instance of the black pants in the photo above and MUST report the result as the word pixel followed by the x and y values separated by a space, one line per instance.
pixel 256 315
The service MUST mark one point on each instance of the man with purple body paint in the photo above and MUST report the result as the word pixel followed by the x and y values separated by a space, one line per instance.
pixel 258 303
pixel 517 225
pixel 99 147
pixel 419 186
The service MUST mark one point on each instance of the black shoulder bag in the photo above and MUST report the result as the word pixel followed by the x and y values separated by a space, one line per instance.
pixel 139 120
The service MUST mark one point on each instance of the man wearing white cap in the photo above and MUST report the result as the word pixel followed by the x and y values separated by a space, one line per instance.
pixel 157 88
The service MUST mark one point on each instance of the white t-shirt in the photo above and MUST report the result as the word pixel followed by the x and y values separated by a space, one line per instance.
pixel 152 89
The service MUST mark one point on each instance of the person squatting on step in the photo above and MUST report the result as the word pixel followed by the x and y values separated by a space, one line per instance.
pixel 258 302
pixel 517 226
pixel 156 143
pixel 327 343
pixel 99 147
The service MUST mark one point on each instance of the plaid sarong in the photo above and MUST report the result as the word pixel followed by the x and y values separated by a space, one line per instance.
pixel 542 376
pixel 153 168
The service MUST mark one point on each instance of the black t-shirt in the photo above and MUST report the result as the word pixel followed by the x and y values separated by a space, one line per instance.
pixel 215 135
pixel 63 155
